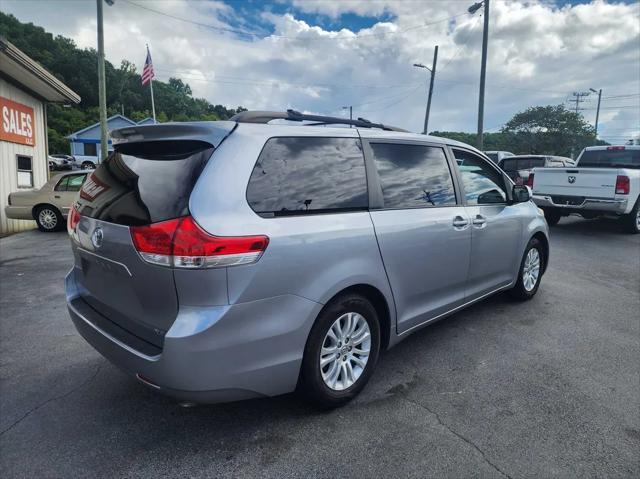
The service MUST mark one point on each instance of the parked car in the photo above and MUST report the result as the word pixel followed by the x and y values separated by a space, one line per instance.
pixel 49 205
pixel 59 164
pixel 519 167
pixel 498 156
pixel 87 162
pixel 218 261
pixel 604 182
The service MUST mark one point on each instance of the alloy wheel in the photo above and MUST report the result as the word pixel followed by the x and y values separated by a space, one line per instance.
pixel 531 270
pixel 48 218
pixel 345 351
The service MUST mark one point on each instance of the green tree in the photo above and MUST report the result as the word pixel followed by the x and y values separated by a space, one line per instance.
pixel 77 68
pixel 549 130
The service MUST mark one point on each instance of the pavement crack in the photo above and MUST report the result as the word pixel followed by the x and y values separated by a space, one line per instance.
pixel 458 435
pixel 55 398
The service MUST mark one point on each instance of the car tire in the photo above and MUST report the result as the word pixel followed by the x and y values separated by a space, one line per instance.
pixel 332 372
pixel 87 165
pixel 552 216
pixel 530 272
pixel 631 221
pixel 48 218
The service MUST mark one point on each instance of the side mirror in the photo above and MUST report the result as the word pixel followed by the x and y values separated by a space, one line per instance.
pixel 520 194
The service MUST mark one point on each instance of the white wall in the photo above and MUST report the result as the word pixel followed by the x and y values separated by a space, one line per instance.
pixel 8 152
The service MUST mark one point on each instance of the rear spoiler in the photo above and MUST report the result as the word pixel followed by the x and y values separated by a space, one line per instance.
pixel 212 132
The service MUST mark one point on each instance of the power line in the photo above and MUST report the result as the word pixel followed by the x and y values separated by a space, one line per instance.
pixel 298 37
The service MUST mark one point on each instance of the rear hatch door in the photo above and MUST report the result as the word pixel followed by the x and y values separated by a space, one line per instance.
pixel 147 179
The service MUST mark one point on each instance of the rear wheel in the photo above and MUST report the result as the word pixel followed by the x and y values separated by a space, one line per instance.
pixel 48 218
pixel 530 274
pixel 632 220
pixel 87 165
pixel 341 352
pixel 552 216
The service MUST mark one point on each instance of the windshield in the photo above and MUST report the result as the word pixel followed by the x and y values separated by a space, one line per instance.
pixel 610 158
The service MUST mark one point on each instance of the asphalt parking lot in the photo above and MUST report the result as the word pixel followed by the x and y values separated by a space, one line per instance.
pixel 550 388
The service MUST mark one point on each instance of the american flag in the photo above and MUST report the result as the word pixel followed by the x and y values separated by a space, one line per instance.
pixel 147 71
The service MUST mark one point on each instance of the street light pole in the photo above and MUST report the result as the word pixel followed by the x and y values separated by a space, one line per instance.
pixel 483 68
pixel 599 92
pixel 432 70
pixel 102 93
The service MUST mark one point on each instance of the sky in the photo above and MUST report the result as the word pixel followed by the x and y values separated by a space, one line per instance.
pixel 321 55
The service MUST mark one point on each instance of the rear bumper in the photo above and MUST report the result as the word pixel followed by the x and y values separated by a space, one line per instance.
pixel 18 212
pixel 218 353
pixel 605 206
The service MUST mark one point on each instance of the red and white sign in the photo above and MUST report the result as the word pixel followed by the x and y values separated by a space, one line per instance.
pixel 17 123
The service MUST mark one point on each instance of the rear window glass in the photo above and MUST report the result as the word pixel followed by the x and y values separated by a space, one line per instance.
pixel 142 183
pixel 509 165
pixel 493 157
pixel 306 175
pixel 413 176
pixel 617 158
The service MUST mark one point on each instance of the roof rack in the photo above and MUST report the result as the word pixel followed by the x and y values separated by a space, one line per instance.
pixel 293 115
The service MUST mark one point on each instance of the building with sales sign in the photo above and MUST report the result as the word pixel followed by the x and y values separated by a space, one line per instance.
pixel 25 89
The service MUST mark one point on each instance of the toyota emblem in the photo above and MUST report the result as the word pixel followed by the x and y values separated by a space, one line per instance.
pixel 571 179
pixel 97 237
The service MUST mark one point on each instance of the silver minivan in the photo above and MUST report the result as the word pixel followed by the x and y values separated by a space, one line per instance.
pixel 217 261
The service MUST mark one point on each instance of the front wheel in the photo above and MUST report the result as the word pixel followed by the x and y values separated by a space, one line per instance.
pixel 87 165
pixel 341 352
pixel 530 273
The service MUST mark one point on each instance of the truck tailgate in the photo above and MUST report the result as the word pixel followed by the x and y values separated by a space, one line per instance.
pixel 582 182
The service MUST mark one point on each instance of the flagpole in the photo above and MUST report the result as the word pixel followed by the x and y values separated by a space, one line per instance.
pixel 153 105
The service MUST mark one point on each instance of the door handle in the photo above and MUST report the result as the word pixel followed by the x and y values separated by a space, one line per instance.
pixel 57 196
pixel 460 223
pixel 479 221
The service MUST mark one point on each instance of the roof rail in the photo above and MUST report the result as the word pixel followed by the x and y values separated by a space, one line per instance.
pixel 293 115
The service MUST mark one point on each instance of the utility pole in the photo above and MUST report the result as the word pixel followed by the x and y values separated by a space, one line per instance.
pixel 102 90
pixel 579 98
pixel 432 72
pixel 433 77
pixel 483 68
pixel 599 92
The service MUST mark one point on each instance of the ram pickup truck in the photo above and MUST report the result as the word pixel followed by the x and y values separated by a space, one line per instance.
pixel 604 182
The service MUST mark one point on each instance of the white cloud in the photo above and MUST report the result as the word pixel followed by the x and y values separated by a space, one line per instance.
pixel 538 54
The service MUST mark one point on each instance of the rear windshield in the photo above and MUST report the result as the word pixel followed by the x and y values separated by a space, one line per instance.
pixel 618 158
pixel 493 157
pixel 142 183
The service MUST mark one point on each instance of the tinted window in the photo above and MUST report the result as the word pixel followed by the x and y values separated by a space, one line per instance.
pixel 413 176
pixel 482 183
pixel 493 157
pixel 308 175
pixel 614 158
pixel 536 163
pixel 509 165
pixel 142 183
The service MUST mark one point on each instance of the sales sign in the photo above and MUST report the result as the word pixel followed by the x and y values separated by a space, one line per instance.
pixel 17 123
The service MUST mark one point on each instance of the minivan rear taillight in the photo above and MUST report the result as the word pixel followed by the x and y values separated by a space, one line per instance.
pixel 182 243
pixel 72 219
pixel 530 180
pixel 622 185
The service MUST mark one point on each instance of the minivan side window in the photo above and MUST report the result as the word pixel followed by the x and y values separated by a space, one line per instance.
pixel 308 175
pixel 482 183
pixel 413 176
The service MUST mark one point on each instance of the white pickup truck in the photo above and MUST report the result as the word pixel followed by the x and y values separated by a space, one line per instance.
pixel 604 182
